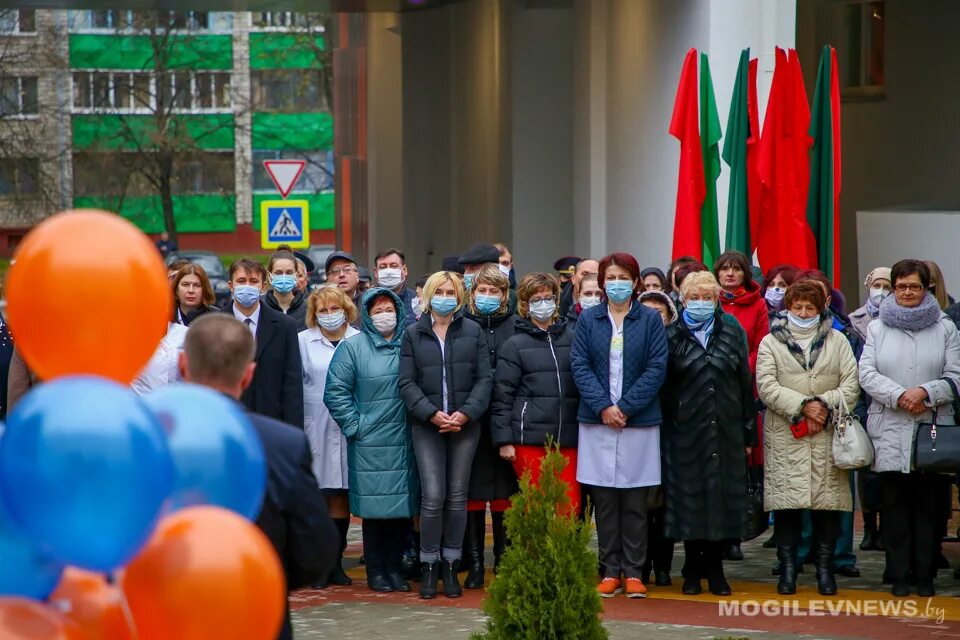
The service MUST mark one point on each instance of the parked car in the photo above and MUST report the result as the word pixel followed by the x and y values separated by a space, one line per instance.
pixel 214 268
pixel 318 254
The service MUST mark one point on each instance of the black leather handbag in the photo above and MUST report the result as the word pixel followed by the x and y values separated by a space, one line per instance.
pixel 756 520
pixel 936 447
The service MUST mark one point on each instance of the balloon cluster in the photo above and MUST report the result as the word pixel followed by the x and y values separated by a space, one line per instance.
pixel 121 518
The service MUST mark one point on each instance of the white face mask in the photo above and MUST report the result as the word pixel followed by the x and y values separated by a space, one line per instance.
pixel 417 306
pixel 587 302
pixel 331 321
pixel 803 323
pixel 390 278
pixel 504 270
pixel 385 322
pixel 877 294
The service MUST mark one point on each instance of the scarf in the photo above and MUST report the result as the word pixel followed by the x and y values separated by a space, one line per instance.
pixel 873 309
pixel 700 330
pixel 781 330
pixel 925 315
pixel 726 295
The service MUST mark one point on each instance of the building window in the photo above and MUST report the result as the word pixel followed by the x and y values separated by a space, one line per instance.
pixel 317 174
pixel 129 20
pixel 125 174
pixel 18 21
pixel 139 92
pixel 18 96
pixel 189 20
pixel 19 177
pixel 209 172
pixel 861 51
pixel 287 91
pixel 280 19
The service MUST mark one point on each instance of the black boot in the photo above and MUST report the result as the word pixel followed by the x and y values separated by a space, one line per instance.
pixel 411 556
pixel 693 568
pixel 473 549
pixel 733 552
pixel 500 541
pixel 870 532
pixel 451 585
pixel 337 575
pixel 787 555
pixel 771 542
pixel 429 573
pixel 826 583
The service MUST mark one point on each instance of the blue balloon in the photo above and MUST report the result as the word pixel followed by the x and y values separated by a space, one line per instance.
pixel 27 571
pixel 84 471
pixel 217 454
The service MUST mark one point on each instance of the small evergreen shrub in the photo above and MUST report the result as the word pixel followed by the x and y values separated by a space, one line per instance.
pixel 545 588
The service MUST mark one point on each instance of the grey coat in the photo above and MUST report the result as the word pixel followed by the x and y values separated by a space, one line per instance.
pixel 895 360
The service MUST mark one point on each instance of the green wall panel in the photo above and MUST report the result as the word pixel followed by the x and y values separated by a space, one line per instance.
pixel 321 208
pixel 286 50
pixel 108 51
pixel 204 213
pixel 208 131
pixel 305 131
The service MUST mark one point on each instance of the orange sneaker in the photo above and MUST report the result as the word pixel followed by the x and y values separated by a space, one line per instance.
pixel 609 587
pixel 635 588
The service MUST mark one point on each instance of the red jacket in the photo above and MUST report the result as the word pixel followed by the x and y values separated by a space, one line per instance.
pixel 750 310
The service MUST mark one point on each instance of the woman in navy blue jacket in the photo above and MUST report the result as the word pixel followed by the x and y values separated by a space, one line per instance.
pixel 619 362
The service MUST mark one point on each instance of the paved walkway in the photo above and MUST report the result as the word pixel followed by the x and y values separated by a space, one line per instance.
pixel 356 612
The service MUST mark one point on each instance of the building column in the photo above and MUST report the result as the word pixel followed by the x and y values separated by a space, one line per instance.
pixel 242 98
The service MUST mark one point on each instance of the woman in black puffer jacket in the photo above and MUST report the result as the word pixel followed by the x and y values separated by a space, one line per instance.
pixel 535 398
pixel 445 381
pixel 491 477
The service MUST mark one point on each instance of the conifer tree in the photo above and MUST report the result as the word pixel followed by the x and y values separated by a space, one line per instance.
pixel 545 588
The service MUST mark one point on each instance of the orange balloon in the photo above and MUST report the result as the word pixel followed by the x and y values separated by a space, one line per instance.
pixel 206 573
pixel 97 607
pixel 23 619
pixel 88 294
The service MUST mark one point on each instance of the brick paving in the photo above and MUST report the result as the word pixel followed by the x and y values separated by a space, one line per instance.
pixel 356 612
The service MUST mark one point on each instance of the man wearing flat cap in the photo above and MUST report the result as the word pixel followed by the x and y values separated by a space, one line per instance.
pixel 476 258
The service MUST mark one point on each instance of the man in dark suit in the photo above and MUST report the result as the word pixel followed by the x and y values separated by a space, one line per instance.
pixel 277 387
pixel 218 353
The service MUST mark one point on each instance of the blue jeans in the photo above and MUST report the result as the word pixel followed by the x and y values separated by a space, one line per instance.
pixel 444 461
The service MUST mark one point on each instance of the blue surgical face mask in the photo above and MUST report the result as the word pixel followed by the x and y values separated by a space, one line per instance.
pixel 283 283
pixel 468 280
pixel 619 291
pixel 443 305
pixel 542 310
pixel 246 295
pixel 331 321
pixel 803 323
pixel 700 310
pixel 487 304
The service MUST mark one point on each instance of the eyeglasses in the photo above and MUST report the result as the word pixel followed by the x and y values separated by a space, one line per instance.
pixel 902 288
pixel 344 270
pixel 538 300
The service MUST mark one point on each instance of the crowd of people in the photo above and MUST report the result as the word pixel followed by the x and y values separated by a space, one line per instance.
pixel 424 401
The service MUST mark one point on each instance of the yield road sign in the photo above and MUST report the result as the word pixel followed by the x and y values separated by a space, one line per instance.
pixel 284 174
pixel 284 222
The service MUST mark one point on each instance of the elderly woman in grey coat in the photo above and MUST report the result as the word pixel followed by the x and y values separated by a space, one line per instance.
pixel 911 351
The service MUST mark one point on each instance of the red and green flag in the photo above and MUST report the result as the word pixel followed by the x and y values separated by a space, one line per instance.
pixel 740 154
pixel 823 198
pixel 784 237
pixel 710 147
pixel 691 190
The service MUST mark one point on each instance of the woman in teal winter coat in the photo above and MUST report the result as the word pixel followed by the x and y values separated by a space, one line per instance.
pixel 364 400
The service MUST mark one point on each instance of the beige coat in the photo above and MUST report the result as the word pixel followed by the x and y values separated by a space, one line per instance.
pixel 799 472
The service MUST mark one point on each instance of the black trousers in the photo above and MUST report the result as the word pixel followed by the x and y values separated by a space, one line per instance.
pixel 383 544
pixel 911 528
pixel 659 547
pixel 621 529
pixel 789 524
pixel 703 559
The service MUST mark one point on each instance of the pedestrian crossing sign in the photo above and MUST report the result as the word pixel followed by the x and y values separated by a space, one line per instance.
pixel 284 222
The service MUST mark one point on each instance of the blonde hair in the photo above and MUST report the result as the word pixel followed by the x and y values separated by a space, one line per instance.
pixel 940 292
pixel 433 283
pixel 492 277
pixel 529 285
pixel 700 280
pixel 330 295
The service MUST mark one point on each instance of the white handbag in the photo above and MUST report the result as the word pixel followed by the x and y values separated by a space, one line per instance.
pixel 852 448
